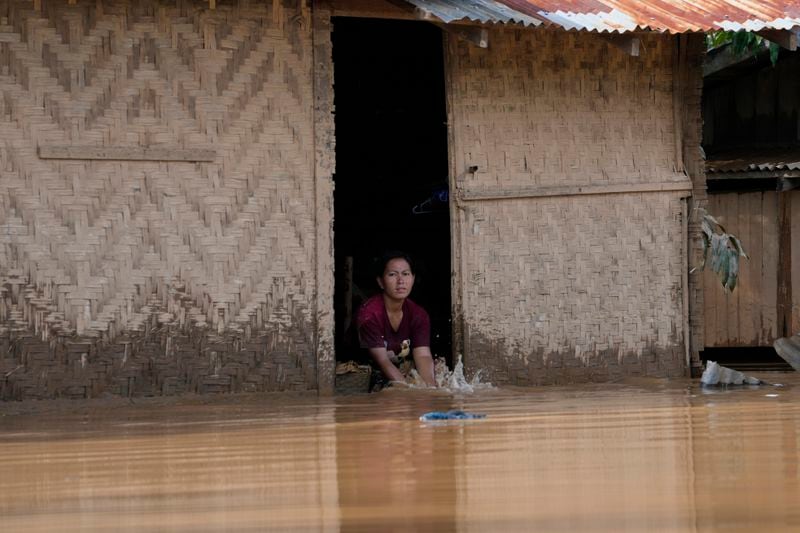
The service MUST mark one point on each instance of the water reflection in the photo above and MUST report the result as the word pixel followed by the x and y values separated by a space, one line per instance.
pixel 637 456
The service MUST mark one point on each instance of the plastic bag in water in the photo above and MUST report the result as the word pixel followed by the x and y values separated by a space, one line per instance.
pixel 716 374
pixel 450 415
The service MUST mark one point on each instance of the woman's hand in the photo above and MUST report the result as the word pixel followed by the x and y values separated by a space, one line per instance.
pixel 423 360
pixel 381 358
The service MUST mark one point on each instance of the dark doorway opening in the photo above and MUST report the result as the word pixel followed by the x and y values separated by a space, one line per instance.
pixel 391 167
pixel 746 359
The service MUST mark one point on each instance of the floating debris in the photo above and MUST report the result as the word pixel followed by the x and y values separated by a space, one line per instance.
pixel 454 414
pixel 716 374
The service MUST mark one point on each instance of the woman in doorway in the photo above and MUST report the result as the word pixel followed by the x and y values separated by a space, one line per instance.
pixel 391 327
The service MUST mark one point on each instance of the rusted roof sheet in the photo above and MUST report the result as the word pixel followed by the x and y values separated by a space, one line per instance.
pixel 674 16
pixel 755 160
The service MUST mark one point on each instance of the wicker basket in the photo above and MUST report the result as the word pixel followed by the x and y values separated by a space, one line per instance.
pixel 354 381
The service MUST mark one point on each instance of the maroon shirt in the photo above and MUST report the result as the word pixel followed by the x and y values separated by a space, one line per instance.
pixel 375 330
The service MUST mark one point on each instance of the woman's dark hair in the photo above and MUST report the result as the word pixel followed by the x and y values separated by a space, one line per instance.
pixel 383 260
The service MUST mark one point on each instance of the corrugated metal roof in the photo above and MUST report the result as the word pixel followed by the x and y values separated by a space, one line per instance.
pixel 755 160
pixel 674 16
pixel 475 10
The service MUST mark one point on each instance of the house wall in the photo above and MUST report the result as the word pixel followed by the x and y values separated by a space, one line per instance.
pixel 152 276
pixel 568 170
pixel 748 316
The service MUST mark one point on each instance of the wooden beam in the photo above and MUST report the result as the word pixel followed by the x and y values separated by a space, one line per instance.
pixel 788 184
pixel 627 43
pixel 755 174
pixel 783 38
pixel 477 36
pixel 542 192
pixel 383 9
pixel 324 169
pixel 717 60
pixel 125 153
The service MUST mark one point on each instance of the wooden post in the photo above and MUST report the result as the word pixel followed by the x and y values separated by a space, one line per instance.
pixel 457 212
pixel 678 69
pixel 784 264
pixel 324 141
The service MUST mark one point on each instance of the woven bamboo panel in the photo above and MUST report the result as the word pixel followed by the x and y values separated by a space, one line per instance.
pixel 575 287
pixel 550 108
pixel 140 277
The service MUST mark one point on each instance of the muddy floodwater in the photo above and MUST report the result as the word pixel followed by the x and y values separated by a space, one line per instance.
pixel 635 456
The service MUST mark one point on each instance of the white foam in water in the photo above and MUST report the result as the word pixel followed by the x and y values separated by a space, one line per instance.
pixel 453 381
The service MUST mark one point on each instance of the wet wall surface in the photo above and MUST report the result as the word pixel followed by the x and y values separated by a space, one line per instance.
pixel 640 455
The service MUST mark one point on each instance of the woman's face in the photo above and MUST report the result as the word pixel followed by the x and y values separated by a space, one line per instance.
pixel 397 279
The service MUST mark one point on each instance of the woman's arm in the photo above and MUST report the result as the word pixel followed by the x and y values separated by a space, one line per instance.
pixel 381 358
pixel 423 360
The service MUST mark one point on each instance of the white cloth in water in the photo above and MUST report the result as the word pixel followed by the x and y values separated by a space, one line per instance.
pixel 715 374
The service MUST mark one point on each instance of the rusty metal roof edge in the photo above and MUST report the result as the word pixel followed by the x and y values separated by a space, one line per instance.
pixel 618 16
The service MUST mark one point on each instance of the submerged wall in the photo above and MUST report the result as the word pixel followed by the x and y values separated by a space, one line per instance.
pixel 139 275
pixel 570 190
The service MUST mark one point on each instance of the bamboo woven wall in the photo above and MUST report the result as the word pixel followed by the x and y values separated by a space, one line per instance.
pixel 156 277
pixel 560 285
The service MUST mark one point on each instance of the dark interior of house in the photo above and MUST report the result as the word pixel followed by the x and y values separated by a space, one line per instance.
pixel 391 167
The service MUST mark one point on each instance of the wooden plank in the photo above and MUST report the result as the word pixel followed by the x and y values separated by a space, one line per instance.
pixel 795 232
pixel 754 266
pixel 456 162
pixel 125 153
pixel 769 286
pixel 784 38
pixel 711 289
pixel 542 192
pixel 685 282
pixel 784 303
pixel 372 9
pixel 727 308
pixel 756 174
pixel 744 305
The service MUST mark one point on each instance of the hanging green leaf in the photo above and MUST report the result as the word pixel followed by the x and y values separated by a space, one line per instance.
pixel 723 249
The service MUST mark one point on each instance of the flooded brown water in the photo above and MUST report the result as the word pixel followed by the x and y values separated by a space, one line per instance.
pixel 644 455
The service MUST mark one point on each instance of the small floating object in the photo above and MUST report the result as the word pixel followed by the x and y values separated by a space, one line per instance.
pixel 450 415
pixel 716 374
